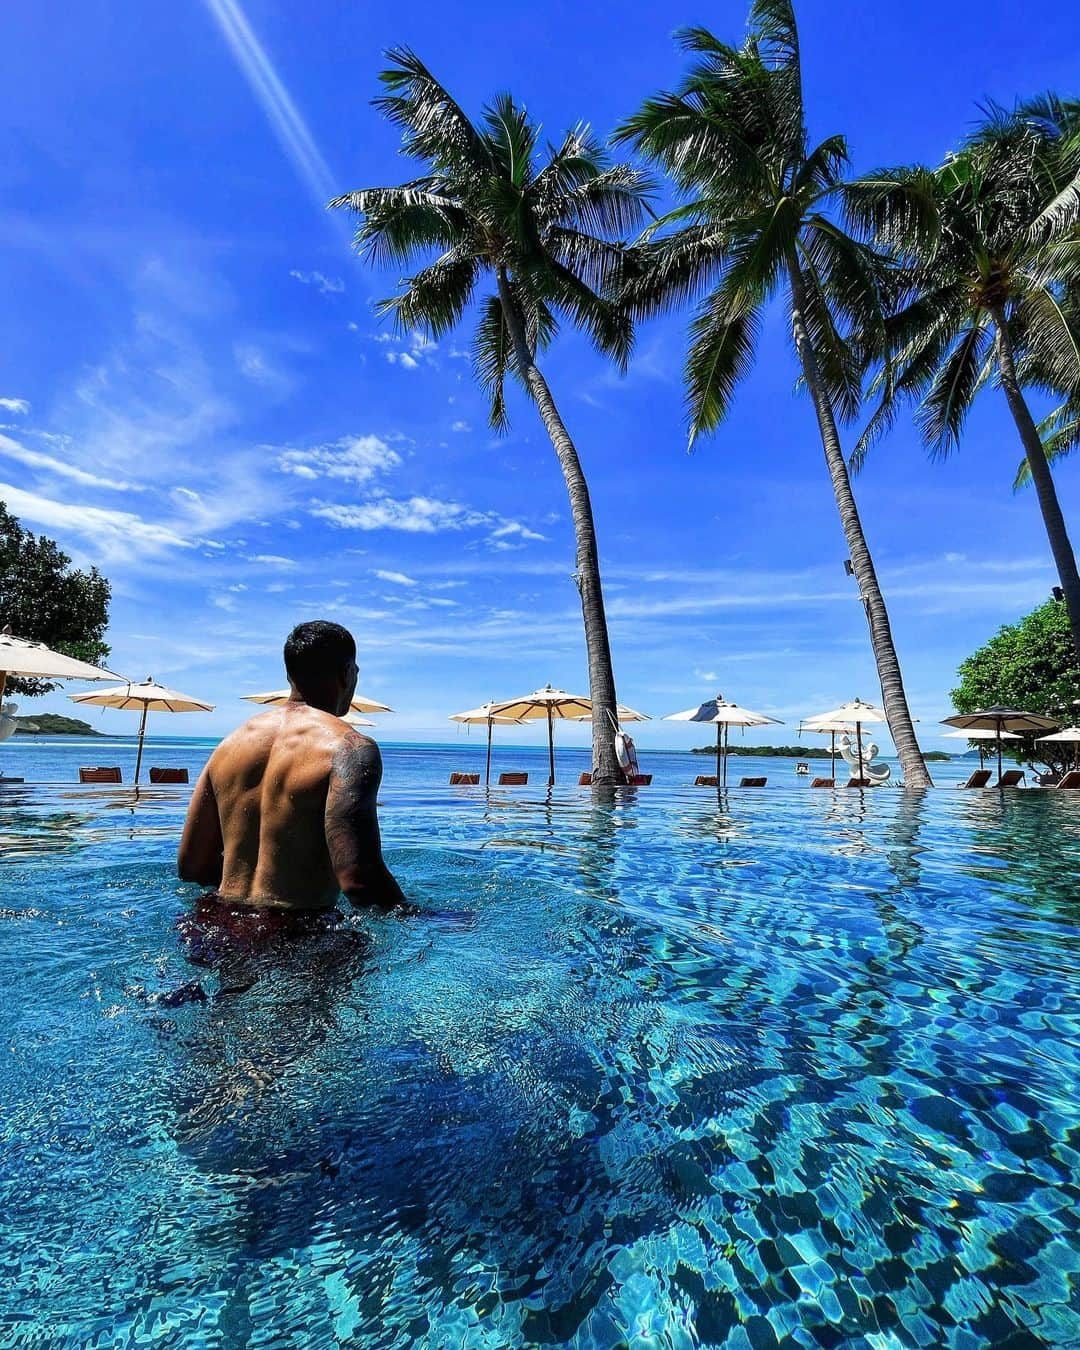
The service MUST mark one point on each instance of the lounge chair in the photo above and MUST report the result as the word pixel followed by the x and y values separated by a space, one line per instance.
pixel 638 779
pixel 978 779
pixel 585 780
pixel 705 780
pixel 513 779
pixel 823 782
pixel 1071 780
pixel 752 782
pixel 1010 778
pixel 99 775
pixel 169 776
pixel 857 782
pixel 464 779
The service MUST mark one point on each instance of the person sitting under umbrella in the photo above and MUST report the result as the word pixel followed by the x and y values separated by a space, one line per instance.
pixel 283 818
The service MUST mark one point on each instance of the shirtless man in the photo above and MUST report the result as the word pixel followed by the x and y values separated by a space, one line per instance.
pixel 283 818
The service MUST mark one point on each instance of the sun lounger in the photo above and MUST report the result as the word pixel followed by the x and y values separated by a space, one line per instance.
pixel 857 782
pixel 1010 778
pixel 1071 779
pixel 97 775
pixel 638 779
pixel 585 780
pixel 978 779
pixel 464 779
pixel 169 776
pixel 513 779
pixel 752 782
pixel 823 782
pixel 705 780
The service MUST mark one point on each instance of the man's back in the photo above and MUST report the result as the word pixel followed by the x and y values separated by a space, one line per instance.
pixel 284 815
pixel 270 781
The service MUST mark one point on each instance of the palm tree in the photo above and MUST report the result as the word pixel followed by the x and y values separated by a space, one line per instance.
pixel 755 222
pixel 546 234
pixel 988 246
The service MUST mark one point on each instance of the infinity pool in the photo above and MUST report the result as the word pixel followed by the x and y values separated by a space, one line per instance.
pixel 784 1068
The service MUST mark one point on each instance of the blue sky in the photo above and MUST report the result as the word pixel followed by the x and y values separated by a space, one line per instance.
pixel 197 395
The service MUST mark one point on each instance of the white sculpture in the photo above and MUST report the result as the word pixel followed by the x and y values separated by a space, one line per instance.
pixel 7 720
pixel 875 774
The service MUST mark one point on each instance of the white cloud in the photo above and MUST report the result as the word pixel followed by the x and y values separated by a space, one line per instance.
pixel 15 405
pixel 355 459
pixel 461 426
pixel 516 529
pixel 707 676
pixel 402 359
pixel 271 560
pixel 414 515
pixel 326 285
pixel 421 515
pixel 396 578
pixel 114 536
pixel 34 459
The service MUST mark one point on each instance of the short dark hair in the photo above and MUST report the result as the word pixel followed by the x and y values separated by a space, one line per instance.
pixel 317 651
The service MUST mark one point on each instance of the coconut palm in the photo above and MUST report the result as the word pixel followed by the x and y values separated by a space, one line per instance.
pixel 755 222
pixel 544 230
pixel 988 248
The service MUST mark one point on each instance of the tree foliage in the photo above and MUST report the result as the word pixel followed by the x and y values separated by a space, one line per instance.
pixel 1030 665
pixel 491 199
pixel 45 599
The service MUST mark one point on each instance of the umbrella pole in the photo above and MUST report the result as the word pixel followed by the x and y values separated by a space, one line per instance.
pixel 1000 725
pixel 727 743
pixel 3 682
pixel 487 773
pixel 858 739
pixel 142 733
pixel 832 757
pixel 551 749
pixel 719 735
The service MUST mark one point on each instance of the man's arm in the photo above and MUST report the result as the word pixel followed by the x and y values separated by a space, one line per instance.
pixel 202 849
pixel 352 826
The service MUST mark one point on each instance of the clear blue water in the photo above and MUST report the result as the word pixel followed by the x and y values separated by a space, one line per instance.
pixel 790 1067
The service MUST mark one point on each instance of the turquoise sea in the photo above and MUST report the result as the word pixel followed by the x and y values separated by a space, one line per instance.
pixel 763 1068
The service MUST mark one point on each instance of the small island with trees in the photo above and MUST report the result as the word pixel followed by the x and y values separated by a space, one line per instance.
pixel 54 724
pixel 791 751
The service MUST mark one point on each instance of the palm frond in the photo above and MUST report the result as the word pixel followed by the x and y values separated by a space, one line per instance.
pixel 492 357
pixel 661 275
pixel 896 207
pixel 1060 435
pixel 948 400
pixel 722 345
pixel 435 298
pixel 434 126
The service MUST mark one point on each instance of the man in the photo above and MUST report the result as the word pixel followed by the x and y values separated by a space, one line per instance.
pixel 283 818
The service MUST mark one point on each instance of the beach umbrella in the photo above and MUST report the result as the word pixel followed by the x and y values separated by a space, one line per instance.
pixel 857 711
pixel 832 730
pixel 1066 734
pixel 18 656
pixel 546 703
pixel 998 719
pixel 355 721
pixel 146 697
pixel 622 712
pixel 358 704
pixel 980 736
pixel 725 715
pixel 483 716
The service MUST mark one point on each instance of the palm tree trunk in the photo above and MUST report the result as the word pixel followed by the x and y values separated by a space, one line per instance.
pixel 605 764
pixel 901 727
pixel 1062 549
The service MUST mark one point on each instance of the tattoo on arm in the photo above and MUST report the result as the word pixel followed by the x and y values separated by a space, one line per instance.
pixel 352 825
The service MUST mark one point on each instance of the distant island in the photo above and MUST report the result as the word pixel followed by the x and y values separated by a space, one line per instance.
pixel 53 724
pixel 791 751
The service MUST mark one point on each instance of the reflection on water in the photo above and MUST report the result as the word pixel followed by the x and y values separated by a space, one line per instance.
pixel 670 1069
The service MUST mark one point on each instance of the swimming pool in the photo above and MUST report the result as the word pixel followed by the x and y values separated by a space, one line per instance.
pixel 782 1068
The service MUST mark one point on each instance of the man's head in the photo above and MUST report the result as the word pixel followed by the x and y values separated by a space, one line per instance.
pixel 320 660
